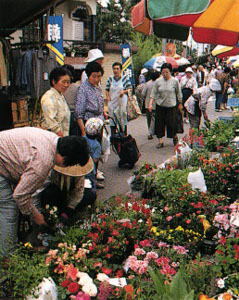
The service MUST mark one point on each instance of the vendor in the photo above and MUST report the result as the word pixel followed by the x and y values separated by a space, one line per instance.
pixel 26 157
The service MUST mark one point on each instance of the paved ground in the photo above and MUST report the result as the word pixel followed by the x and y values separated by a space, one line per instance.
pixel 116 179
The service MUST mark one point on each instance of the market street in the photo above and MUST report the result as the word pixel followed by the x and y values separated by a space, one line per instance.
pixel 116 179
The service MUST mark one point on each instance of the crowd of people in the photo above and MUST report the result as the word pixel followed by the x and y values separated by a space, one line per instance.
pixel 68 148
pixel 167 93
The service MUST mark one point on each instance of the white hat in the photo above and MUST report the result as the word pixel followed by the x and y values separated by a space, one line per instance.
pixel 93 55
pixel 93 126
pixel 189 70
pixel 76 170
pixel 143 71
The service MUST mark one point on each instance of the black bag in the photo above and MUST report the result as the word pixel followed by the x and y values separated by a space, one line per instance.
pixel 125 146
pixel 179 122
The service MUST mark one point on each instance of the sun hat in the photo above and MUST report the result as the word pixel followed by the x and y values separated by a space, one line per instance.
pixel 143 71
pixel 93 55
pixel 76 170
pixel 93 126
pixel 189 70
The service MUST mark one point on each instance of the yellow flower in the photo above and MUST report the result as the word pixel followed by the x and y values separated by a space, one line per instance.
pixel 28 245
pixel 179 228
pixel 153 229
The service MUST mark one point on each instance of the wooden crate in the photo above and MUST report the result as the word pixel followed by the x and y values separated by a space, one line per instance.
pixel 14 112
pixel 23 109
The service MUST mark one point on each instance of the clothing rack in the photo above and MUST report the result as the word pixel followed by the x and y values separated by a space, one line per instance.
pixel 32 43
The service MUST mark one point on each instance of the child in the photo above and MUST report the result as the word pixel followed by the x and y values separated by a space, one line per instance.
pixel 93 129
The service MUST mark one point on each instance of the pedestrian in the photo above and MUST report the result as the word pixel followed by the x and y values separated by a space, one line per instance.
pixel 150 115
pixel 167 95
pixel 94 55
pixel 56 112
pixel 70 95
pixel 142 76
pixel 26 157
pixel 201 76
pixel 118 88
pixel 196 105
pixel 189 86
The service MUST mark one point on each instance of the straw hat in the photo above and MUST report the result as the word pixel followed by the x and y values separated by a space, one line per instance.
pixel 93 55
pixel 76 170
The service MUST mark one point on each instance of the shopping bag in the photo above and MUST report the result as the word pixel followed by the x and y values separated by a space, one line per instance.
pixel 179 122
pixel 133 110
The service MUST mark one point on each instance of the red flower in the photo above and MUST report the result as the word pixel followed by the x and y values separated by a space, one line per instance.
pixel 188 221
pixel 73 287
pixel 107 271
pixel 198 205
pixel 236 247
pixel 136 207
pixel 109 255
pixel 65 283
pixel 111 239
pixel 97 264
pixel 223 240
pixel 119 273
pixel 71 272
pixel 145 243
pixel 115 232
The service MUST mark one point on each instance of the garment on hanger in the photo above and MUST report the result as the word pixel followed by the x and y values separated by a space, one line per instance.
pixel 3 68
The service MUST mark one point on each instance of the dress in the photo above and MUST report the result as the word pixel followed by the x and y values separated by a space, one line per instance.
pixel 56 112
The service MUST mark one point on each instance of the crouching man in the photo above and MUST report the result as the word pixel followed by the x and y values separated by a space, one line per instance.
pixel 26 157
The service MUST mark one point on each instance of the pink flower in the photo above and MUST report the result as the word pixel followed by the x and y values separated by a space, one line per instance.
pixel 169 218
pixel 167 270
pixel 163 245
pixel 163 260
pixel 143 267
pixel 180 249
pixel 166 208
pixel 178 214
pixel 188 221
pixel 139 251
pixel 82 296
pixel 151 255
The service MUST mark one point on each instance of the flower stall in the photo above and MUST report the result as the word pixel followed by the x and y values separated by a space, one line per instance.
pixel 168 239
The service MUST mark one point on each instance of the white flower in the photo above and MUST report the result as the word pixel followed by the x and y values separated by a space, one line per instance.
pixel 220 283
pixel 146 206
pixel 47 206
pixel 85 279
pixel 54 208
pixel 140 221
pixel 129 204
pixel 51 212
pixel 90 289
pixel 102 277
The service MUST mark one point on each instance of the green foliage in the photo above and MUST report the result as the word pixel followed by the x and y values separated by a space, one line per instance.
pixel 113 22
pixel 176 290
pixel 25 272
pixel 147 47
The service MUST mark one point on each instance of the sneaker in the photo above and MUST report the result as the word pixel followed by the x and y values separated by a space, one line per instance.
pixel 150 137
pixel 218 110
pixel 100 175
pixel 186 121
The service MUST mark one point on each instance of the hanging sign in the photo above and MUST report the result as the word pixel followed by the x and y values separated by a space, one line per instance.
pixel 55 34
pixel 127 62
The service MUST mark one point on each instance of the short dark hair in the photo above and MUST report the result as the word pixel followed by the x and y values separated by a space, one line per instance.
pixel 154 75
pixel 71 69
pixel 57 73
pixel 167 66
pixel 93 67
pixel 227 70
pixel 74 149
pixel 117 64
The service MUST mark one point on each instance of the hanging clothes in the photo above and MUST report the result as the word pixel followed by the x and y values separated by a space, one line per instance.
pixel 3 68
pixel 43 63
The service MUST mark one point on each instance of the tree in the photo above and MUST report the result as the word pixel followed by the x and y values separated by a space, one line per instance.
pixel 113 21
pixel 147 47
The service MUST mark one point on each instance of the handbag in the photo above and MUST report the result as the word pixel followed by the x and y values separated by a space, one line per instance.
pixel 179 122
pixel 133 110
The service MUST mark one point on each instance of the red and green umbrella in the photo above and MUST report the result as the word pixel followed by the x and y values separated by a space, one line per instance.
pixel 212 21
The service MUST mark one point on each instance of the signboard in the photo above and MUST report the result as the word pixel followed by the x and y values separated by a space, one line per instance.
pixel 127 62
pixel 55 34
